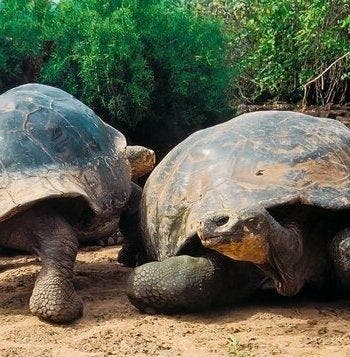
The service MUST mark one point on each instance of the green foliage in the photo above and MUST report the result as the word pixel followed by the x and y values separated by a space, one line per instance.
pixel 22 39
pixel 235 348
pixel 162 68
pixel 99 58
pixel 138 63
pixel 278 45
pixel 187 56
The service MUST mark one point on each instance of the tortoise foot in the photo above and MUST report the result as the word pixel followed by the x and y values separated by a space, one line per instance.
pixel 55 300
pixel 114 239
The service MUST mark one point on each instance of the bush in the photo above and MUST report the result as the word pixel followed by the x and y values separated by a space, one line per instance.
pixel 279 45
pixel 103 63
pixel 23 41
pixel 140 64
pixel 160 69
pixel 187 55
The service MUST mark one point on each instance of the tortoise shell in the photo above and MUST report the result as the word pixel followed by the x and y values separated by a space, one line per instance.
pixel 52 145
pixel 267 158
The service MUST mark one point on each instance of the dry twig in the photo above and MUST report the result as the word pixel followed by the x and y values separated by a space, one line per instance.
pixel 320 76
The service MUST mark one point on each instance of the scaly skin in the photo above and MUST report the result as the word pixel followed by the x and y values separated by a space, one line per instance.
pixel 186 283
pixel 292 252
pixel 42 229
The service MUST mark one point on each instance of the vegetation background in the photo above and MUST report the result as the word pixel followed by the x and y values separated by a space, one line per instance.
pixel 160 69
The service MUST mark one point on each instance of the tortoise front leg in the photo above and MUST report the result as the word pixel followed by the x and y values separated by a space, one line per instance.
pixel 186 283
pixel 54 298
pixel 340 252
pixel 132 250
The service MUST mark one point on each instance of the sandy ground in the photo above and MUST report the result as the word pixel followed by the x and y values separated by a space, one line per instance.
pixel 112 326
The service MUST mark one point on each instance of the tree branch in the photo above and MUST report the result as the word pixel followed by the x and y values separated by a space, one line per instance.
pixel 327 69
pixel 321 76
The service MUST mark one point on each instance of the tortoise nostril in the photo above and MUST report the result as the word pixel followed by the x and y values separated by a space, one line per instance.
pixel 222 221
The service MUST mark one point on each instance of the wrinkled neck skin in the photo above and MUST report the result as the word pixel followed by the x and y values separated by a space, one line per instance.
pixel 285 264
pixel 141 159
pixel 298 244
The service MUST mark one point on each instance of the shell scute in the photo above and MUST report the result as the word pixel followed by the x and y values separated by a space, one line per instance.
pixel 52 145
pixel 264 158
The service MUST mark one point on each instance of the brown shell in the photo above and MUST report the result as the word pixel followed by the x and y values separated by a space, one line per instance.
pixel 263 158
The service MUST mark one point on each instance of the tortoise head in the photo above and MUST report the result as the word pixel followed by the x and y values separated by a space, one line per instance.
pixel 142 160
pixel 253 235
pixel 240 235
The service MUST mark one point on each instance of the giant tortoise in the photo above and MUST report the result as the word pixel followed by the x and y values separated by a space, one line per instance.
pixel 64 179
pixel 261 200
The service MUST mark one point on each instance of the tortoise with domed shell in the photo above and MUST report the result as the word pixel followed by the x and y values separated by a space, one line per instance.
pixel 65 178
pixel 265 195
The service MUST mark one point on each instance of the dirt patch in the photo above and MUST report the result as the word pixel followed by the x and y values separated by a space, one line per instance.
pixel 112 326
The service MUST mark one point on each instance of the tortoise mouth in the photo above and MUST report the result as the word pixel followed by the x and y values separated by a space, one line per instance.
pixel 241 249
pixel 244 247
pixel 219 239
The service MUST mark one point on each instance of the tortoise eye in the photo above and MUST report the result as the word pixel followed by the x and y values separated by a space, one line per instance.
pixel 222 221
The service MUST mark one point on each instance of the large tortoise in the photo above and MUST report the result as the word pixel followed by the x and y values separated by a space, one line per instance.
pixel 265 195
pixel 64 179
